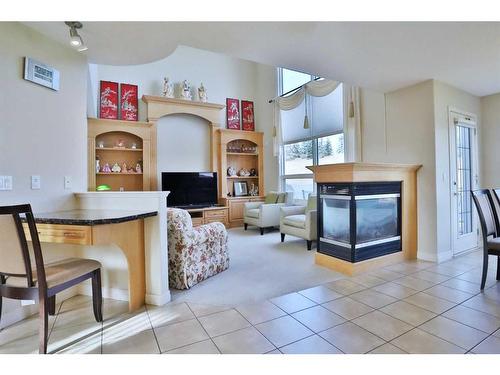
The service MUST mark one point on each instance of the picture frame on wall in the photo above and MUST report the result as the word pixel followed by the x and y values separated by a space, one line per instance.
pixel 129 102
pixel 233 113
pixel 240 188
pixel 247 115
pixel 108 100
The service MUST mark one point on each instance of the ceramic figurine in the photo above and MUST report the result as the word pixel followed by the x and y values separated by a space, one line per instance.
pixel 186 91
pixel 168 89
pixel 131 170
pixel 231 171
pixel 254 190
pixel 120 144
pixel 253 172
pixel 134 146
pixel 124 168
pixel 106 168
pixel 116 168
pixel 138 168
pixel 97 166
pixel 243 172
pixel 202 94
pixel 100 144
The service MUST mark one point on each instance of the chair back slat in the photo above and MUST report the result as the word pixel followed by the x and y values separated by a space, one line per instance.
pixel 11 249
pixel 487 215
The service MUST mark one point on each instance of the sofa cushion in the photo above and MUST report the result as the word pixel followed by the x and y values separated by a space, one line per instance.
pixel 254 212
pixel 282 198
pixel 297 221
pixel 271 197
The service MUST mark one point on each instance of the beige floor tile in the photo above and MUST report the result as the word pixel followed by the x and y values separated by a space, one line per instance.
pixel 168 314
pixel 382 325
pixel 444 270
pixel 283 331
pixel 474 318
pixel 484 304
pixel 493 292
pixel 202 347
pixel 387 349
pixel 368 280
pixel 347 308
pixel 489 346
pixel 245 341
pixel 143 342
pixel 320 294
pixel 113 309
pixel 458 265
pixel 454 332
pixel 317 318
pixel 449 294
pixel 431 276
pixel 408 313
pixel 88 345
pixel 292 302
pixel 395 290
pixel 464 286
pixel 180 334
pixel 431 303
pixel 386 275
pixel 351 339
pixel 373 298
pixel 260 312
pixel 345 286
pixel 420 342
pixel 475 276
pixel 311 345
pixel 404 268
pixel 223 322
pixel 68 339
pixel 202 309
pixel 275 351
pixel 415 283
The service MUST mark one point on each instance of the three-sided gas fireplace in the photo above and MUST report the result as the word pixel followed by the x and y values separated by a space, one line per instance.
pixel 359 220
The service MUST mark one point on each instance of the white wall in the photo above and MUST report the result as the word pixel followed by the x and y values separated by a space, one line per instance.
pixel 183 144
pixel 490 136
pixel 42 132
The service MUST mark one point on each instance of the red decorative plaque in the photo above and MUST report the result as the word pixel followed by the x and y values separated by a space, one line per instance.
pixel 247 115
pixel 128 102
pixel 233 113
pixel 108 107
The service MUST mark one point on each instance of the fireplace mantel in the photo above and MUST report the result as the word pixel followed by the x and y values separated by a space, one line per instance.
pixel 375 172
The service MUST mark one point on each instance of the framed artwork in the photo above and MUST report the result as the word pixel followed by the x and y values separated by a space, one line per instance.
pixel 247 117
pixel 240 188
pixel 128 102
pixel 108 103
pixel 233 113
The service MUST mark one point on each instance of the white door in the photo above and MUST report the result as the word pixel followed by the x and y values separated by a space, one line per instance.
pixel 464 178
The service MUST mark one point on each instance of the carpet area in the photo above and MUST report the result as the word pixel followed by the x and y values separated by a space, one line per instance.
pixel 261 267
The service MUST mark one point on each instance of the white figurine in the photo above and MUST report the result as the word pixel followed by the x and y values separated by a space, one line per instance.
pixel 168 89
pixel 202 93
pixel 186 91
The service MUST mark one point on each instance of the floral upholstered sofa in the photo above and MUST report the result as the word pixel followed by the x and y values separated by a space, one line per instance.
pixel 194 254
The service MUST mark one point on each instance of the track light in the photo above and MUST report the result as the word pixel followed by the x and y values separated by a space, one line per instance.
pixel 76 40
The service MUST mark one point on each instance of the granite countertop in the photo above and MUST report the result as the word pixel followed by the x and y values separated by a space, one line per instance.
pixel 90 217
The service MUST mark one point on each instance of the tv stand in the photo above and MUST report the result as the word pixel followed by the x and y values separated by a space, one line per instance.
pixel 205 215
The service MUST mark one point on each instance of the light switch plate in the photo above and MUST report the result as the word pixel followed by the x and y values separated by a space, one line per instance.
pixel 67 182
pixel 5 182
pixel 35 182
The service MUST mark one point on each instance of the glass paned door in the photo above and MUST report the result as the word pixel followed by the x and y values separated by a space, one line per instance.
pixel 463 180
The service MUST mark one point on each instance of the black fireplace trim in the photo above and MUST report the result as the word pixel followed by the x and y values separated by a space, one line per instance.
pixel 358 255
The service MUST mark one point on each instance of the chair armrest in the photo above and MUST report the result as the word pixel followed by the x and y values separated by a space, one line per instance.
pixel 312 222
pixel 208 232
pixel 251 205
pixel 292 210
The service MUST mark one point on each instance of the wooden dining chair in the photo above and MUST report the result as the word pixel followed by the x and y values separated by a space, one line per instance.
pixel 490 228
pixel 496 193
pixel 22 279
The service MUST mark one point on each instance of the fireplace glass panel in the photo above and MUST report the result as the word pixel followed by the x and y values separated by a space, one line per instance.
pixel 376 219
pixel 336 219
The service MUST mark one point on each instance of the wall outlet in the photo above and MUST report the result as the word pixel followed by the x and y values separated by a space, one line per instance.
pixel 35 182
pixel 67 182
pixel 5 182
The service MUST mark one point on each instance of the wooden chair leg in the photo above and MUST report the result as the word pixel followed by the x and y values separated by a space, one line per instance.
pixel 43 324
pixel 2 281
pixel 261 231
pixel 245 225
pixel 282 237
pixel 309 245
pixel 52 305
pixel 97 295
pixel 498 267
pixel 485 270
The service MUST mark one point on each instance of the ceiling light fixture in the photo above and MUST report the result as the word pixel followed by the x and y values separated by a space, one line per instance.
pixel 76 40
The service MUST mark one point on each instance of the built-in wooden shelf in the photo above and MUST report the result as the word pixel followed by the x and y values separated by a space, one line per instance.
pixel 241 177
pixel 117 149
pixel 243 153
pixel 120 174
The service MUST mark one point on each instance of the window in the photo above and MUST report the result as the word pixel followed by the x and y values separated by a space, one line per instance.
pixel 322 143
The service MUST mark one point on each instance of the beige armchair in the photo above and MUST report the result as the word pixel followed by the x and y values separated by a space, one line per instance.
pixel 300 221
pixel 266 214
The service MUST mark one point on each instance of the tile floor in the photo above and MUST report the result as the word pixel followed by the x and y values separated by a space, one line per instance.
pixel 410 307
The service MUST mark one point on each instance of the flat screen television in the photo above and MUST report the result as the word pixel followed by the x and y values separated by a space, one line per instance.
pixel 190 189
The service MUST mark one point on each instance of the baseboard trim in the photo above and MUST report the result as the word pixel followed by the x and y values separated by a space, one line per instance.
pixel 158 299
pixel 435 257
pixel 111 293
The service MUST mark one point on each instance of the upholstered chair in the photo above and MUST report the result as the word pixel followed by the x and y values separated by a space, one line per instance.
pixel 300 221
pixel 266 214
pixel 490 227
pixel 194 254
pixel 25 276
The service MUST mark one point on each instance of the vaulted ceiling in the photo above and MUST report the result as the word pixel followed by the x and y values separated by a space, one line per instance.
pixel 383 56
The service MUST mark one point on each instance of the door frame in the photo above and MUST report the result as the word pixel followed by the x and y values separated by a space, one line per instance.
pixel 470 120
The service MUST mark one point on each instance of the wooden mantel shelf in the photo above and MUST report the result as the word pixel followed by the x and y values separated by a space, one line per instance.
pixel 161 99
